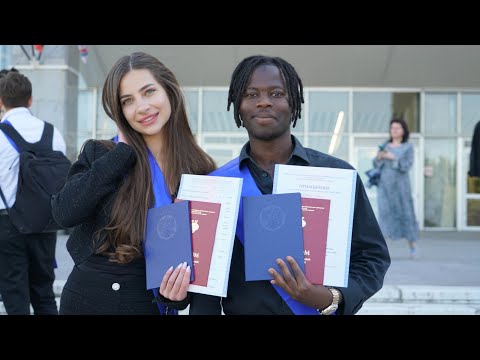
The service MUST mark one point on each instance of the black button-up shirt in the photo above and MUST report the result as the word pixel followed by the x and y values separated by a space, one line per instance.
pixel 369 257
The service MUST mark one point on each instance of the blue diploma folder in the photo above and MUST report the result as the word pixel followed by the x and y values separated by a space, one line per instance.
pixel 168 241
pixel 273 229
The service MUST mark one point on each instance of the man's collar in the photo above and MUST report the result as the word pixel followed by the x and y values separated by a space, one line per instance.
pixel 298 150
pixel 15 111
pixel 244 153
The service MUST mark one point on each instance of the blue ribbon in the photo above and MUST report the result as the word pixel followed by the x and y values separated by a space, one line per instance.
pixel 249 188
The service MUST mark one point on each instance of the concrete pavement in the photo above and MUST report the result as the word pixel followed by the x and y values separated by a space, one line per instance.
pixel 444 279
pixel 444 259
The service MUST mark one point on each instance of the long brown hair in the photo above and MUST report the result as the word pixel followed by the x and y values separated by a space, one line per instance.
pixel 182 155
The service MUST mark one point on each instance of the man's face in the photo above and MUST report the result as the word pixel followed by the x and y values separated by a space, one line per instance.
pixel 264 109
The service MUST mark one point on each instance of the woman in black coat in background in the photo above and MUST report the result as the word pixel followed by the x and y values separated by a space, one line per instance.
pixel 475 152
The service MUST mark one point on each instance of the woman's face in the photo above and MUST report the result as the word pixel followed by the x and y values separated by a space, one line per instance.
pixel 396 131
pixel 144 102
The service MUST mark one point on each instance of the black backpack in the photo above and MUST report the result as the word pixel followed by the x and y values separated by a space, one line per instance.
pixel 42 173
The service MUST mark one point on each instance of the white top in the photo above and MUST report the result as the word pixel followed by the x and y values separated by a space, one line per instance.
pixel 31 129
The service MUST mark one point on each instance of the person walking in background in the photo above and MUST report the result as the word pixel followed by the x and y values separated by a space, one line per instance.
pixel 112 185
pixel 473 179
pixel 474 170
pixel 26 260
pixel 267 95
pixel 394 195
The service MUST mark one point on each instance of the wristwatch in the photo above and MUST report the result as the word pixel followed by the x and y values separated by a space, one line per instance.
pixel 330 309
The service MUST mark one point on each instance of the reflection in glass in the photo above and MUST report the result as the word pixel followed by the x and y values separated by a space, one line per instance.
pixel 322 143
pixel 473 212
pixel 215 114
pixel 106 127
pixel 334 142
pixel 365 157
pixel 440 184
pixel 372 111
pixel 470 112
pixel 5 56
pixel 191 102
pixel 440 114
pixel 85 116
pixel 473 185
pixel 323 110
pixel 222 156
pixel 85 111
pixel 226 139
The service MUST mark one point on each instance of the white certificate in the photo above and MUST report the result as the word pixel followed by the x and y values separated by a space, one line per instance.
pixel 338 186
pixel 227 192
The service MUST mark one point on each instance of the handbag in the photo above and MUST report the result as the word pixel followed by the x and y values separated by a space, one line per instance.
pixel 373 177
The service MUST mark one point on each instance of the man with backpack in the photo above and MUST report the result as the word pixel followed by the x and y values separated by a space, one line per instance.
pixel 29 156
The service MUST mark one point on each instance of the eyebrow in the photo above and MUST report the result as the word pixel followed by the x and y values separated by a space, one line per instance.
pixel 141 89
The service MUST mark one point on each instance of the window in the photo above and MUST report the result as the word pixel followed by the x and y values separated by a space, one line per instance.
pixel 440 114
pixel 372 111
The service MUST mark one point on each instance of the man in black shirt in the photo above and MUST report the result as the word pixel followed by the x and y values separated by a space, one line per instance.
pixel 267 94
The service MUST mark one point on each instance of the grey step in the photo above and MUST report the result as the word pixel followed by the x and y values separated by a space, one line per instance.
pixel 427 294
pixel 384 309
pixel 400 294
pixel 397 299
pixel 418 309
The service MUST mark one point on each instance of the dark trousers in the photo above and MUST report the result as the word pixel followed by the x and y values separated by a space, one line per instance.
pixel 27 270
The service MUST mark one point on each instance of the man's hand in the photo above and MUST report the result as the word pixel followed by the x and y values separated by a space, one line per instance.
pixel 297 285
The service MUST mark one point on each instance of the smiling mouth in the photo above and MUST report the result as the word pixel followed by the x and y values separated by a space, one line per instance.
pixel 264 119
pixel 262 115
pixel 149 119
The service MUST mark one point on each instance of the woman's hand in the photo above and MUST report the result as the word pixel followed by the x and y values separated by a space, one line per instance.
pixel 175 282
pixel 297 285
pixel 384 154
pixel 388 155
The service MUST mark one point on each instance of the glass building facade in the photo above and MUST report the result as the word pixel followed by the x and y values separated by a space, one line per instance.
pixel 348 123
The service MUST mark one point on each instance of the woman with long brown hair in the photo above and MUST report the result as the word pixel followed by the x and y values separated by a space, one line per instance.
pixel 113 184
